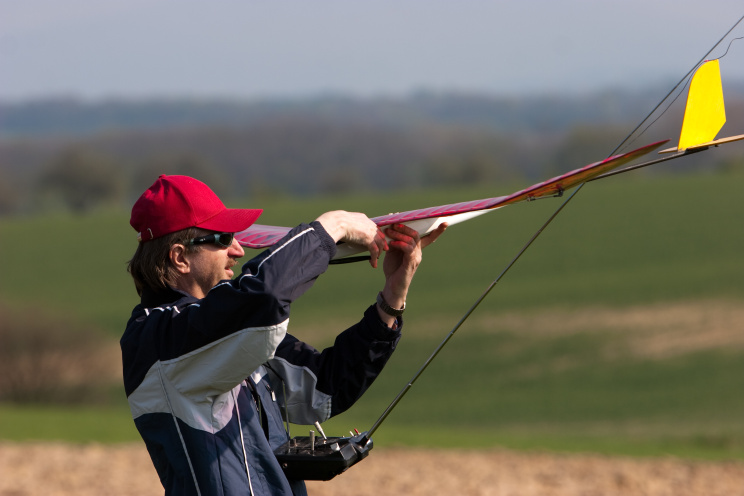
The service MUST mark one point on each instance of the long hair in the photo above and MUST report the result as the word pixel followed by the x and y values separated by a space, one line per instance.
pixel 150 266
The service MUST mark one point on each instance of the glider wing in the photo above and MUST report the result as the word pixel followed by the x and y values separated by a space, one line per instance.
pixel 427 219
pixel 259 236
pixel 552 187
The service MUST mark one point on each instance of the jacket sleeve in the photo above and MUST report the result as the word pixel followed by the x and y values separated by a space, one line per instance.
pixel 261 295
pixel 319 385
pixel 208 346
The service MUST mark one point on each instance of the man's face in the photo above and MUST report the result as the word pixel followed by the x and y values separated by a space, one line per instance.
pixel 211 264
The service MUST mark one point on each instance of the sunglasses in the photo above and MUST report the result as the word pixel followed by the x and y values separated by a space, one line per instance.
pixel 223 239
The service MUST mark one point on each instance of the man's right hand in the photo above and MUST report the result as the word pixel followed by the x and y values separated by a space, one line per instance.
pixel 355 228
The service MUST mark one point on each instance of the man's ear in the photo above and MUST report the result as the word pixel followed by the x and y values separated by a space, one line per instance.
pixel 178 259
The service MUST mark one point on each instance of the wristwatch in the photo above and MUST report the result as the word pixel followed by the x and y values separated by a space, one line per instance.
pixel 393 312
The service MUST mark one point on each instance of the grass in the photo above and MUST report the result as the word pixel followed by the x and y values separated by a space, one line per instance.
pixel 67 424
pixel 561 394
pixel 74 265
pixel 606 439
pixel 620 243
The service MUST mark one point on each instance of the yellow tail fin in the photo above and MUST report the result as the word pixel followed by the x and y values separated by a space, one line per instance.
pixel 705 114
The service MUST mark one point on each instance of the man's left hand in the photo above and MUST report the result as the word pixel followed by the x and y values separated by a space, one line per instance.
pixel 402 261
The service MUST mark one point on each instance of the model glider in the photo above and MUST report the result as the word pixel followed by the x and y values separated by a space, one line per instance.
pixel 427 219
pixel 705 113
pixel 704 117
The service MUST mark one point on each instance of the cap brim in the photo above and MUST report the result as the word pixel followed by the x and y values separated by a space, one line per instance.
pixel 231 220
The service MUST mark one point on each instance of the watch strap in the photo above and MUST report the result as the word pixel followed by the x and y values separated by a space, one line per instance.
pixel 393 312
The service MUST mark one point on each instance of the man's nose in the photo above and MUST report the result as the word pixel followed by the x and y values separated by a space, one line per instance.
pixel 235 249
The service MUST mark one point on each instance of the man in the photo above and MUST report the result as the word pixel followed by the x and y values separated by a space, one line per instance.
pixel 209 369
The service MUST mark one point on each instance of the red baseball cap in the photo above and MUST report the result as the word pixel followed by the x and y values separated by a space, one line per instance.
pixel 174 203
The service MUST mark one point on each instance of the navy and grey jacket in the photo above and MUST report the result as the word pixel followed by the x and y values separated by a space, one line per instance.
pixel 206 378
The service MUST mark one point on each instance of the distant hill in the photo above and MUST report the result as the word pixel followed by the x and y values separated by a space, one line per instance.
pixel 503 114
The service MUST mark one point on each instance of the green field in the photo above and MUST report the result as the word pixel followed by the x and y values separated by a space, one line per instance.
pixel 511 376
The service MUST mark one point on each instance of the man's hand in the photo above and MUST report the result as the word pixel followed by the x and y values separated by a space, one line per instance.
pixel 403 251
pixel 401 262
pixel 355 228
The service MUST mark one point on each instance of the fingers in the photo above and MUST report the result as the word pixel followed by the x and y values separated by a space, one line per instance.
pixel 434 235
pixel 357 228
pixel 351 227
pixel 362 231
pixel 403 237
pixel 376 247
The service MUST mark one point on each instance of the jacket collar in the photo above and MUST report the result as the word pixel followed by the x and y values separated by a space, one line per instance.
pixel 160 297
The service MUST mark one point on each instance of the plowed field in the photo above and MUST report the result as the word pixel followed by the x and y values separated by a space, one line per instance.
pixel 123 470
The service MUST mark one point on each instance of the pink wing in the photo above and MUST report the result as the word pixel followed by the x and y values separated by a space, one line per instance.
pixel 260 236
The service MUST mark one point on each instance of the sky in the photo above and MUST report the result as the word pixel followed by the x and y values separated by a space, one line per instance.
pixel 94 50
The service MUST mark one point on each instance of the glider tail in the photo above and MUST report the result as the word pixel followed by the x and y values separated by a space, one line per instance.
pixel 705 113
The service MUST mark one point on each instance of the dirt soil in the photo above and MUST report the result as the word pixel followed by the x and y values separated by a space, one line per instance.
pixel 85 470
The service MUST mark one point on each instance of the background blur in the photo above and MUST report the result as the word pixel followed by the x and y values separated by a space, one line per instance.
pixel 619 332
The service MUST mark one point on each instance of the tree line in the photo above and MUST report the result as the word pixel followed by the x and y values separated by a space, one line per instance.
pixel 318 149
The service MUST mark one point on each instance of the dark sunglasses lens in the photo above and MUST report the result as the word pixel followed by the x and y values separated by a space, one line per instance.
pixel 224 239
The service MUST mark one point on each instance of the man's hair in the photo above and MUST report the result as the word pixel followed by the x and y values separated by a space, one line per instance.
pixel 150 266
